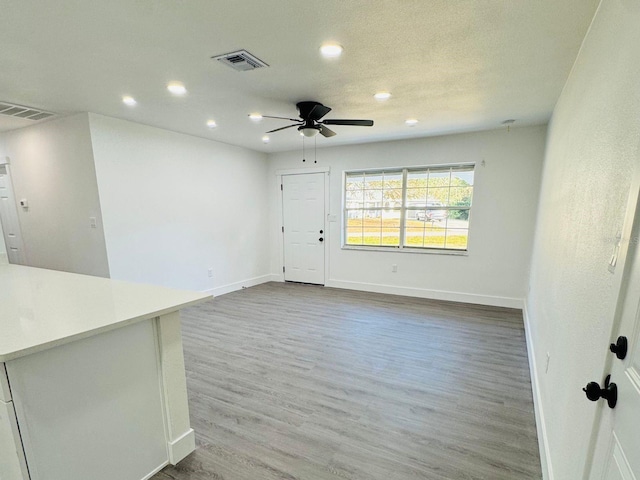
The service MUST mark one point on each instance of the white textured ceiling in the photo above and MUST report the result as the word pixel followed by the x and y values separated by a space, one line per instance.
pixel 456 65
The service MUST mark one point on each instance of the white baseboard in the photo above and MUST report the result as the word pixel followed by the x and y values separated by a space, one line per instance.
pixel 494 301
pixel 182 446
pixel 232 287
pixel 154 471
pixel 541 426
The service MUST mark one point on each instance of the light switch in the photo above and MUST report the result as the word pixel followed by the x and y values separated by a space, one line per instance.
pixel 93 222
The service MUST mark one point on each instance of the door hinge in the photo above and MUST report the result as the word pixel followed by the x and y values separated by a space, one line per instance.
pixel 283 269
pixel 281 189
pixel 283 229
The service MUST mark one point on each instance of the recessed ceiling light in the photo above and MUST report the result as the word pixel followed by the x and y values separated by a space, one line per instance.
pixel 331 50
pixel 266 139
pixel 411 122
pixel 256 117
pixel 177 88
pixel 211 124
pixel 127 100
pixel 382 96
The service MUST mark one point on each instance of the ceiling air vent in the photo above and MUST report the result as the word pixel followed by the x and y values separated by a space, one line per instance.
pixel 240 60
pixel 12 110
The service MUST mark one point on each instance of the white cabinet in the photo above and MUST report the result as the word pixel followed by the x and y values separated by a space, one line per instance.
pixel 92 380
pixel 94 402
pixel 12 461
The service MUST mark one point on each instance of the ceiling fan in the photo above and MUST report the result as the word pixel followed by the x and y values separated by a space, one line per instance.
pixel 310 124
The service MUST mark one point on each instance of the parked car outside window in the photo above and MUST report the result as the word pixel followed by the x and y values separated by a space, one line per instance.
pixel 431 215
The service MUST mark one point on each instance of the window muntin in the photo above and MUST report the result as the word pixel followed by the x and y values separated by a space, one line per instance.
pixel 406 208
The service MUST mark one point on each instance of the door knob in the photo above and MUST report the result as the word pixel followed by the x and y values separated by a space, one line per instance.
pixel 609 392
pixel 620 347
pixel 321 239
pixel 321 232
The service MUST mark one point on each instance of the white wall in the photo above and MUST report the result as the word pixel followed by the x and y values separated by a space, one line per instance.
pixel 3 248
pixel 175 205
pixel 52 167
pixel 502 222
pixel 591 153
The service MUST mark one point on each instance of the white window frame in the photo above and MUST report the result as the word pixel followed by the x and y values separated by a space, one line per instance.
pixel 403 209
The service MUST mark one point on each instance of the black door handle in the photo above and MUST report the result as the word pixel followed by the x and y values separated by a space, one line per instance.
pixel 620 347
pixel 609 392
pixel 321 232
pixel 321 239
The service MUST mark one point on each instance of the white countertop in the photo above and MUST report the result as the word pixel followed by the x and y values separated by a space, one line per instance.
pixel 40 309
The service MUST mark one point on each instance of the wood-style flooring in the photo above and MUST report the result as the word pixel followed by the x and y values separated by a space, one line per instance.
pixel 290 381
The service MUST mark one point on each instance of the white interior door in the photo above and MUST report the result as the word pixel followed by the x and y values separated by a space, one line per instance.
pixel 9 219
pixel 617 455
pixel 304 229
pixel 623 454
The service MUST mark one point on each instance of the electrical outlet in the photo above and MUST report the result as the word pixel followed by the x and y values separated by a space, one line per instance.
pixel 394 268
pixel 210 272
pixel 546 368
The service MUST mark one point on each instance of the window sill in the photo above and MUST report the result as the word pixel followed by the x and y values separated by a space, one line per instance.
pixel 420 251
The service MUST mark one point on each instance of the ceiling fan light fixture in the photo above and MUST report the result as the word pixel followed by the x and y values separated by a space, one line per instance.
pixel 331 50
pixel 309 131
pixel 255 117
pixel 266 139
pixel 211 124
pixel 128 100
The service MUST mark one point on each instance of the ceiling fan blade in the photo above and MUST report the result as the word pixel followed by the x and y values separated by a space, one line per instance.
pixel 282 118
pixel 318 112
pixel 359 123
pixel 282 128
pixel 327 132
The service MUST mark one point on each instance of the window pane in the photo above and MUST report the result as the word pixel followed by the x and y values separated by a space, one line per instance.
pixel 373 198
pixel 438 197
pixel 373 181
pixel 434 237
pixel 436 204
pixel 392 198
pixel 460 196
pixel 417 197
pixel 417 179
pixel 354 227
pixel 355 182
pixel 458 219
pixel 391 227
pixel 392 180
pixel 414 233
pixel 439 179
pixel 462 177
pixel 457 238
pixel 411 215
pixel 372 231
pixel 354 196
